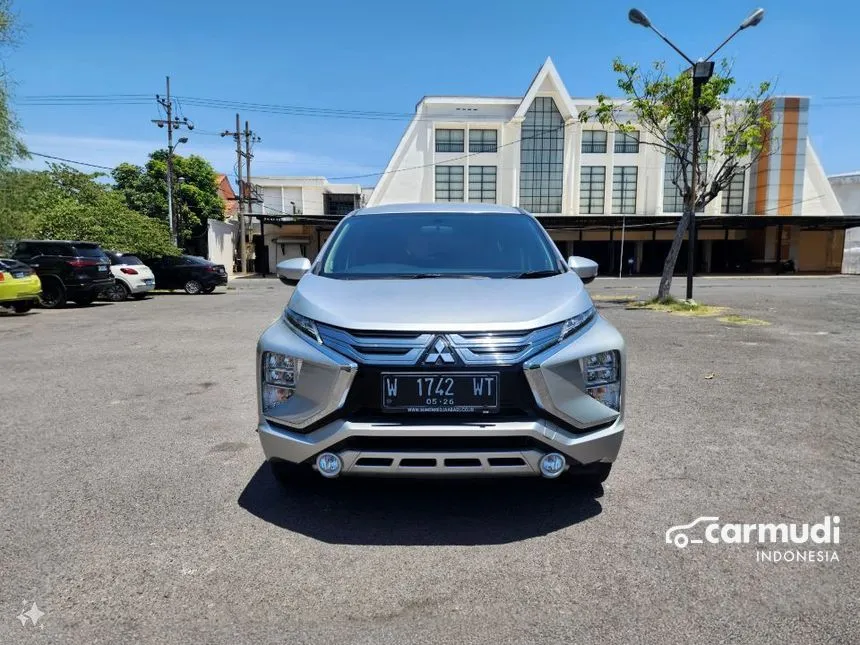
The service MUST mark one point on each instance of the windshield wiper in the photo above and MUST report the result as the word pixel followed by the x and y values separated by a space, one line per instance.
pixel 542 273
pixel 422 276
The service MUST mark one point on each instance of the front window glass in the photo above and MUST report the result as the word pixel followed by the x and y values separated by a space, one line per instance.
pixel 433 245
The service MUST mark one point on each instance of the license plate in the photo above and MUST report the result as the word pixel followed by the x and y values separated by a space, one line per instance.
pixel 440 392
pixel 102 267
pixel 148 282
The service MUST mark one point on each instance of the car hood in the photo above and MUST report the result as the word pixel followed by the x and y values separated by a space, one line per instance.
pixel 440 304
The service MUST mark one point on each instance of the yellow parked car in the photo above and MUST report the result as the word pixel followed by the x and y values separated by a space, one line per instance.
pixel 20 287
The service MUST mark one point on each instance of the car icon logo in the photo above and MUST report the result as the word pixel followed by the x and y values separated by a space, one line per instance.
pixel 676 534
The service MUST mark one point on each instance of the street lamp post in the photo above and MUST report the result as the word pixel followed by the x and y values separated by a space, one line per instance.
pixel 701 71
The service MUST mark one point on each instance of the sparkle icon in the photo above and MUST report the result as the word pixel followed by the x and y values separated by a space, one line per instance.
pixel 33 615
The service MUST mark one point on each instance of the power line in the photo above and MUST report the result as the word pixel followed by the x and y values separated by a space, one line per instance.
pixel 72 161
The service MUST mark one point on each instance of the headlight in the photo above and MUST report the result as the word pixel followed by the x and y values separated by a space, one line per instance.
pixel 279 369
pixel 280 374
pixel 302 324
pixel 576 323
pixel 600 373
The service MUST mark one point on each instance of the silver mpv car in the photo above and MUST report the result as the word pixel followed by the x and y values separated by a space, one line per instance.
pixel 440 340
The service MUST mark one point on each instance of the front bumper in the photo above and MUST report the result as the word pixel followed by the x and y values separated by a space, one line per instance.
pixel 441 449
pixel 562 418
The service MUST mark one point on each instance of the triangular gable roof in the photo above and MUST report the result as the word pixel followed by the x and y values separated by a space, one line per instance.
pixel 547 79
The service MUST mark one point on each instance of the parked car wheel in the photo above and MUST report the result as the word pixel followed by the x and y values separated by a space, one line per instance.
pixel 290 475
pixel 138 296
pixel 192 287
pixel 22 307
pixel 209 289
pixel 590 476
pixel 117 293
pixel 53 293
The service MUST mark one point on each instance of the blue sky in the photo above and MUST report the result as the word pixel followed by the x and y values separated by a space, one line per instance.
pixel 384 55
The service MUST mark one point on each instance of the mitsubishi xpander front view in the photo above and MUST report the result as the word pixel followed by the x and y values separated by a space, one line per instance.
pixel 440 340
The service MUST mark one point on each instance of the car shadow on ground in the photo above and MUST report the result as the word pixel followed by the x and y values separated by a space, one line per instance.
pixel 377 511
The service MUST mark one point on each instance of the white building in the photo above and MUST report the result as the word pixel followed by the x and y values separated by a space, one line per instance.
pixel 585 182
pixel 294 216
pixel 847 189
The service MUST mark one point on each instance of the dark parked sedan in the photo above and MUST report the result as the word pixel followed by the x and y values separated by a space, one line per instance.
pixel 189 272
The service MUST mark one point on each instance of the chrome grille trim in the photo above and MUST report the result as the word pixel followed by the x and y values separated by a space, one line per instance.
pixel 472 348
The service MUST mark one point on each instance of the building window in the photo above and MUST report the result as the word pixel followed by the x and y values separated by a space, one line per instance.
pixel 483 140
pixel 592 187
pixel 673 200
pixel 449 183
pixel 594 141
pixel 449 140
pixel 624 189
pixel 482 183
pixel 733 195
pixel 626 142
pixel 542 157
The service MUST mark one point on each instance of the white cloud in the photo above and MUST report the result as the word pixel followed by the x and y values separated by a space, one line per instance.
pixel 220 153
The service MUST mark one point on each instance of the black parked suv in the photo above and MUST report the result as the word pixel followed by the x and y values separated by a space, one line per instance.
pixel 189 272
pixel 77 271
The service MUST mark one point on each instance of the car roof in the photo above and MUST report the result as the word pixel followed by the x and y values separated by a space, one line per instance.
pixel 448 208
pixel 72 242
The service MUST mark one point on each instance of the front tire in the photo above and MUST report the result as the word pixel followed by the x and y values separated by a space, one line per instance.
pixel 22 307
pixel 288 474
pixel 193 287
pixel 209 289
pixel 590 476
pixel 53 294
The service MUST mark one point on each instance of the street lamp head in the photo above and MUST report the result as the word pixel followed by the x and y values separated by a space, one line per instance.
pixel 638 18
pixel 754 18
pixel 182 140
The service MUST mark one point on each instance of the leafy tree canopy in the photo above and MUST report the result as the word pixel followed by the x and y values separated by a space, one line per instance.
pixel 11 146
pixel 195 192
pixel 63 203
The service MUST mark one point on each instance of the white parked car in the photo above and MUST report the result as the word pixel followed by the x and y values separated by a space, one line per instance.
pixel 133 277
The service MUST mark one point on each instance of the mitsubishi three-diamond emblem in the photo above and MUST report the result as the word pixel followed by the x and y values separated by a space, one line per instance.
pixel 440 352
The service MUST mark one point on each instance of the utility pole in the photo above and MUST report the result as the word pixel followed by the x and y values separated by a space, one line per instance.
pixel 250 138
pixel 172 124
pixel 237 137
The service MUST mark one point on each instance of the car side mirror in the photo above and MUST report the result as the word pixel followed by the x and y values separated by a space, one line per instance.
pixel 291 271
pixel 583 267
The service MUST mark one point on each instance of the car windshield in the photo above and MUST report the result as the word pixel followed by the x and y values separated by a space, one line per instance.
pixel 440 245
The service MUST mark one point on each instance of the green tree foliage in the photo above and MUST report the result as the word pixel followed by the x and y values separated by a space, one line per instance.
pixel 195 193
pixel 11 146
pixel 660 104
pixel 62 203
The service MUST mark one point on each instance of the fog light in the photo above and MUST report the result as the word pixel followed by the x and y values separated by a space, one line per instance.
pixel 329 464
pixel 552 465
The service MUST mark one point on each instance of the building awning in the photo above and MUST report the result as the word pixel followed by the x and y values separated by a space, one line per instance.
pixel 649 222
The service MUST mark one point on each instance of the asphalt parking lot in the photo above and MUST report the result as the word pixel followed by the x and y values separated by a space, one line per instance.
pixel 136 506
